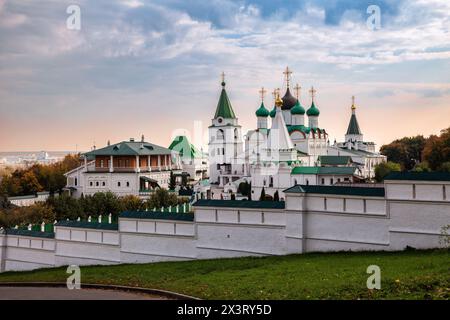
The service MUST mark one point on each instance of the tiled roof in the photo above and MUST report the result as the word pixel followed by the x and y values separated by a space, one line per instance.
pixel 241 204
pixel 324 170
pixel 334 160
pixel 157 215
pixel 419 176
pixel 338 190
pixel 182 145
pixel 224 108
pixel 353 126
pixel 88 225
pixel 30 233
pixel 130 148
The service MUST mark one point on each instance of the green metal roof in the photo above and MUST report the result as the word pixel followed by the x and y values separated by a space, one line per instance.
pixel 335 160
pixel 262 111
pixel 88 225
pixel 157 215
pixel 353 126
pixel 324 170
pixel 30 233
pixel 241 204
pixel 273 112
pixel 313 111
pixel 224 108
pixel 182 145
pixel 338 190
pixel 301 128
pixel 419 176
pixel 130 148
pixel 298 109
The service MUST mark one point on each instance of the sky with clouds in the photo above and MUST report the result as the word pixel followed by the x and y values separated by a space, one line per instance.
pixel 153 67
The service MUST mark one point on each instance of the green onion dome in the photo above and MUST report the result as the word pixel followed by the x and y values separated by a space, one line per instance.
pixel 298 109
pixel 273 112
pixel 262 111
pixel 313 111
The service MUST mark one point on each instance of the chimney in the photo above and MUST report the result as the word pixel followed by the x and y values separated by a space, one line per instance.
pixel 142 138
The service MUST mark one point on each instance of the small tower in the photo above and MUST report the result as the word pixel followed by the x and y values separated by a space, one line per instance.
pixel 354 134
pixel 298 112
pixel 225 138
pixel 262 113
pixel 313 113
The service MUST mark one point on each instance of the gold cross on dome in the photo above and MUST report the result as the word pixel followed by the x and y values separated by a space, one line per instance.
pixel 262 92
pixel 297 89
pixel 222 76
pixel 287 75
pixel 274 93
pixel 313 93
pixel 353 103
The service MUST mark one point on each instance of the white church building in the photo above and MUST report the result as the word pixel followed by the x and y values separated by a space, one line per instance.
pixel 271 154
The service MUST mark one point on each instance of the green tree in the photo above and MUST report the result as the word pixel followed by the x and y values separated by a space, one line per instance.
pixel 161 198
pixel 131 203
pixel 383 169
pixel 276 196
pixel 173 181
pixel 262 197
pixel 66 207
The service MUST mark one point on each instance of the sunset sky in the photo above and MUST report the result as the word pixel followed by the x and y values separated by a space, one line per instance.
pixel 153 67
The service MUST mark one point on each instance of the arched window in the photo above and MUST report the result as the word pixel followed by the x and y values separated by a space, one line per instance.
pixel 271 182
pixel 295 182
pixel 220 134
pixel 236 134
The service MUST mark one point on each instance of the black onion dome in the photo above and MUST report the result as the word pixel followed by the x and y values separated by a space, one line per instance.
pixel 289 100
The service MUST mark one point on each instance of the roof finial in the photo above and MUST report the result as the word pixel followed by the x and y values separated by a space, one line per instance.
pixel 109 143
pixel 287 75
pixel 297 91
pixel 223 79
pixel 353 103
pixel 313 93
pixel 262 92
pixel 278 101
pixel 142 138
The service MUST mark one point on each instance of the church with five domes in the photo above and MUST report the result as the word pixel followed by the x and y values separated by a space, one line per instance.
pixel 288 147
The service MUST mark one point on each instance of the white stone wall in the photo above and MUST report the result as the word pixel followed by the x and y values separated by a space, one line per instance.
pixel 27 253
pixel 310 223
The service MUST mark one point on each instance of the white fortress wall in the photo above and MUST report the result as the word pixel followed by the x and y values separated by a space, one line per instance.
pixel 27 253
pixel 86 246
pixel 153 240
pixel 313 219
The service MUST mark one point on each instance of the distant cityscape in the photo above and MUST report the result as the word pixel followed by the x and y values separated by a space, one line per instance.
pixel 27 158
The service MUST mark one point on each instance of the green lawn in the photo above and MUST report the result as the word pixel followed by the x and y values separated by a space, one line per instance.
pixel 404 275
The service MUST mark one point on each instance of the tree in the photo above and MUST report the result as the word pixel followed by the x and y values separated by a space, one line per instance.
pixel 173 181
pixel 184 179
pixel 406 151
pixel 161 198
pixel 131 203
pixel 30 184
pixel 262 197
pixel 276 196
pixel 422 167
pixel 66 207
pixel 383 169
pixel 437 150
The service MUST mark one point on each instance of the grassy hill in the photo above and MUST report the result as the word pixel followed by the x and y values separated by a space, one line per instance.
pixel 404 275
